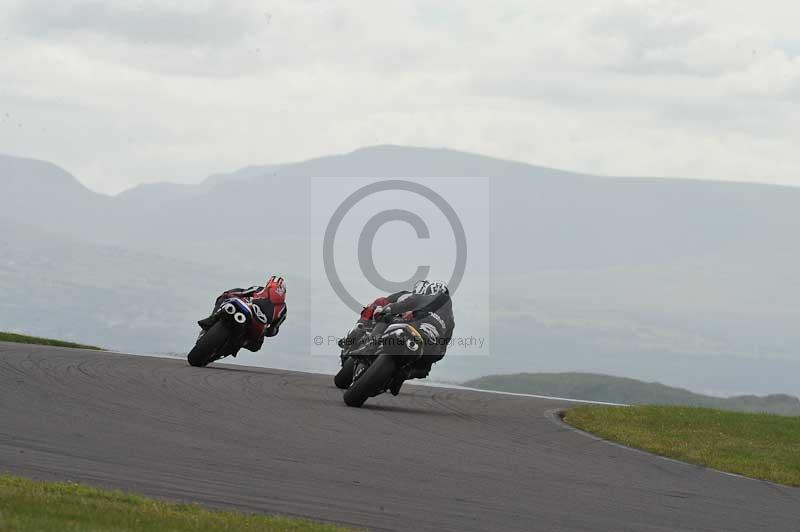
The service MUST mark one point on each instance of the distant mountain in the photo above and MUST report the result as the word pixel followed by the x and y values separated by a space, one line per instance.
pixel 157 193
pixel 690 282
pixel 39 192
pixel 605 388
pixel 163 193
pixel 574 220
pixel 243 174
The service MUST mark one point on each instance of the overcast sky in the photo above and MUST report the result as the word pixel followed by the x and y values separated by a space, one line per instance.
pixel 125 92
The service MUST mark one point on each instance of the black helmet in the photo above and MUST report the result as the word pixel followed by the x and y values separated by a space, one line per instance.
pixel 430 287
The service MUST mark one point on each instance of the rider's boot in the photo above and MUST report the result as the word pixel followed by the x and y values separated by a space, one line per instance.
pixel 399 379
pixel 397 383
pixel 206 323
pixel 406 374
pixel 418 373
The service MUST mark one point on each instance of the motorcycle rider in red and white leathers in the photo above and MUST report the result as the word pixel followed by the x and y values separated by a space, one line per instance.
pixel 270 301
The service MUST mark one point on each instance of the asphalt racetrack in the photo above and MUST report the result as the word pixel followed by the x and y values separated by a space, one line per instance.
pixel 432 459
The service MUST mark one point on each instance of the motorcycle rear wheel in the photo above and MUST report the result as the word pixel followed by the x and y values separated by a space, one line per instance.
pixel 372 382
pixel 207 345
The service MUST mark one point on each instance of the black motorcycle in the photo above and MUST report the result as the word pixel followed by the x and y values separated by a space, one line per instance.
pixel 355 339
pixel 380 361
pixel 235 322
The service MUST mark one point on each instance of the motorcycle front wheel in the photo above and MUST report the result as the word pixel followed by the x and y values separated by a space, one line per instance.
pixel 371 382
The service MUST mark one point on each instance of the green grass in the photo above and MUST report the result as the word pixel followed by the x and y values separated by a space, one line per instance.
pixel 24 339
pixel 27 506
pixel 763 446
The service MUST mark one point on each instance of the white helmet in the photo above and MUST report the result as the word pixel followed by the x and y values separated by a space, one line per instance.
pixel 430 287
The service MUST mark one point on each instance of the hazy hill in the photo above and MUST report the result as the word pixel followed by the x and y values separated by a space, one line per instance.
pixel 605 388
pixel 39 192
pixel 574 221
pixel 690 282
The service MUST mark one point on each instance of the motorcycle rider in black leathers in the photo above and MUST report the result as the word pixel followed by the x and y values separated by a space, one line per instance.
pixel 428 308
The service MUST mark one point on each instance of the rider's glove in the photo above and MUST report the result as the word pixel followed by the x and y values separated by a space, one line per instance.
pixel 383 314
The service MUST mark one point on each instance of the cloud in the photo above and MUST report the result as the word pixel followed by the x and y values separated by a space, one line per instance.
pixel 123 92
pixel 683 67
pixel 142 22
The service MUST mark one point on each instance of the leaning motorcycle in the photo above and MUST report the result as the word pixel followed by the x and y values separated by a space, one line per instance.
pixel 225 332
pixel 376 370
pixel 355 339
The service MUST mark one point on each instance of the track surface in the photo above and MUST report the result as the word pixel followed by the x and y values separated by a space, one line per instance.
pixel 280 442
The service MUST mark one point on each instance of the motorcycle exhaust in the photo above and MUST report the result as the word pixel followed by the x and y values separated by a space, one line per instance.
pixel 239 317
pixel 229 308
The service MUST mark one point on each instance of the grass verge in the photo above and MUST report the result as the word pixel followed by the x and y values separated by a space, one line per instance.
pixel 27 506
pixel 24 339
pixel 761 446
